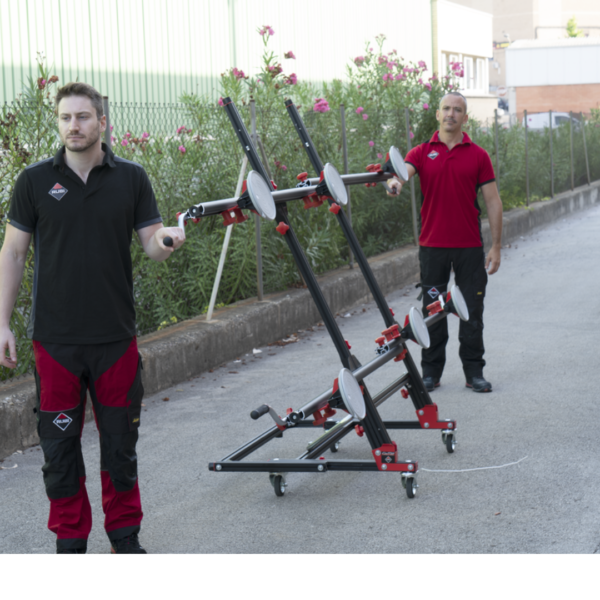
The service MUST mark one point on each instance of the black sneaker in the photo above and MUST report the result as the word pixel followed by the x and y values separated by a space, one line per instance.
pixel 127 545
pixel 478 384
pixel 431 383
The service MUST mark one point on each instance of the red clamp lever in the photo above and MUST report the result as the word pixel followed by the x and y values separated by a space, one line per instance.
pixel 435 307
pixel 233 215
pixel 312 201
pixel 392 333
pixel 322 415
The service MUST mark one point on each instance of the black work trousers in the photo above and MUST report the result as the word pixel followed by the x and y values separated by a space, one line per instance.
pixel 471 277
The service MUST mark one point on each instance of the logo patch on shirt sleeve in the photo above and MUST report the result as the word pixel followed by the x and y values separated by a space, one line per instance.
pixel 58 191
pixel 433 155
pixel 62 421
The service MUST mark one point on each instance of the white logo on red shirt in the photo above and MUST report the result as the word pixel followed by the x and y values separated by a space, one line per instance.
pixel 433 155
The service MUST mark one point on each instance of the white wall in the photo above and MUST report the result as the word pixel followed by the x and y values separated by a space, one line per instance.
pixel 562 64
pixel 464 30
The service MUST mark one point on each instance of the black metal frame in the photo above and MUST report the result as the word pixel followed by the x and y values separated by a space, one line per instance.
pixel 373 426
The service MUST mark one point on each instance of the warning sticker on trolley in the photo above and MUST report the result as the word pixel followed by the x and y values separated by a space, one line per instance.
pixel 387 457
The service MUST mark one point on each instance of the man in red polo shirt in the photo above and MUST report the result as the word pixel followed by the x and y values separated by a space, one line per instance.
pixel 452 169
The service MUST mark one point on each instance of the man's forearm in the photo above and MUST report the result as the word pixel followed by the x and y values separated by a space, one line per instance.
pixel 11 275
pixel 495 221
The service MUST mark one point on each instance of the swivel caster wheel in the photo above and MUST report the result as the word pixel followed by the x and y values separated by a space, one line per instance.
pixel 449 440
pixel 278 483
pixel 409 483
pixel 335 447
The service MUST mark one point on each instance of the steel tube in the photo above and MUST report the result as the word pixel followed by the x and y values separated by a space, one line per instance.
pixel 571 147
pixel 526 162
pixel 551 160
pixel 587 163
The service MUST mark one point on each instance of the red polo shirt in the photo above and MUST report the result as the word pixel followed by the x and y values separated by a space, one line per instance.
pixel 449 183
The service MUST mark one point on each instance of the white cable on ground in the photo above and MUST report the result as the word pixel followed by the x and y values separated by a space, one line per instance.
pixel 213 297
pixel 475 469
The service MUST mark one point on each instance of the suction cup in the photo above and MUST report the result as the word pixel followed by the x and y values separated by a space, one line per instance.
pixel 458 303
pixel 335 184
pixel 352 394
pixel 260 194
pixel 419 329
pixel 398 164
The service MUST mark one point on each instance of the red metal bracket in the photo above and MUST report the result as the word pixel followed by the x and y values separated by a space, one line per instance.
pixel 434 308
pixel 334 208
pixel 400 356
pixel 386 458
pixel 233 215
pixel 392 311
pixel 428 417
pixel 322 415
pixel 313 201
pixel 348 344
pixel 392 333
pixel 282 228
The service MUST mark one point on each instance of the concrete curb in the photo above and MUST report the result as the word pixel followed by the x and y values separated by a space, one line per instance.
pixel 195 346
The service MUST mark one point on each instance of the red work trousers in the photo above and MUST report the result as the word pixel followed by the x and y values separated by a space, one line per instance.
pixel 112 374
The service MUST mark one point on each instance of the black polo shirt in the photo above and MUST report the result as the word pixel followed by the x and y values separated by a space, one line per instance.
pixel 83 283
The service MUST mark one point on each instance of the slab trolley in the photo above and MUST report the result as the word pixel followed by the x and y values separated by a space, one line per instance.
pixel 349 391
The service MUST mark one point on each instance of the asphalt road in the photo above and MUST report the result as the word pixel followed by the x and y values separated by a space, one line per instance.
pixel 523 478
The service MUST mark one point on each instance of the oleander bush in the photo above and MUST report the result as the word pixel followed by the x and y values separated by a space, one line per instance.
pixel 192 155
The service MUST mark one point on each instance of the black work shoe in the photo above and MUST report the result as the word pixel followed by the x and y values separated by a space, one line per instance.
pixel 127 545
pixel 431 383
pixel 479 384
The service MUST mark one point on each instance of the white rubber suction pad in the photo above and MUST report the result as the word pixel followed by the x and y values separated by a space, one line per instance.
pixel 335 184
pixel 419 329
pixel 352 394
pixel 398 164
pixel 460 306
pixel 260 194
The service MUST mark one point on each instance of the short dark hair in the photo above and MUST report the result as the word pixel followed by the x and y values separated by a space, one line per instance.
pixel 455 94
pixel 78 88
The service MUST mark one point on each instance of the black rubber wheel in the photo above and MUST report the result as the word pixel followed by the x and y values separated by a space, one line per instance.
pixel 279 485
pixel 450 443
pixel 335 447
pixel 411 487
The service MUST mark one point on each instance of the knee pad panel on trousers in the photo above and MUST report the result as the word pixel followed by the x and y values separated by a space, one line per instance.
pixel 63 467
pixel 119 458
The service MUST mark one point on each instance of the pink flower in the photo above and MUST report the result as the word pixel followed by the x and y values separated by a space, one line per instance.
pixel 460 73
pixel 365 117
pixel 289 54
pixel 359 110
pixel 124 143
pixel 113 139
pixel 321 105
pixel 128 135
pixel 292 79
pixel 371 143
pixel 422 64
pixel 180 129
pixel 399 77
pixel 427 85
pixel 412 135
pixel 391 64
pixel 434 77
pixel 379 155
pixel 181 149
pixel 420 81
pixel 238 73
pixel 425 106
pixel 111 128
pixel 221 102
pixel 270 30
pixel 381 60
pixel 283 168
pixel 359 60
pixel 145 135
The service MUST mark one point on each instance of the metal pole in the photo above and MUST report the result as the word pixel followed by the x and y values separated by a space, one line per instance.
pixel 213 297
pixel 345 155
pixel 526 162
pixel 107 134
pixel 587 164
pixel 413 202
pixel 551 159
pixel 257 224
pixel 572 165
pixel 497 152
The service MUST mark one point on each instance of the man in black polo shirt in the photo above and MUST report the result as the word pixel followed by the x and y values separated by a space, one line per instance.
pixel 81 208
pixel 452 169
